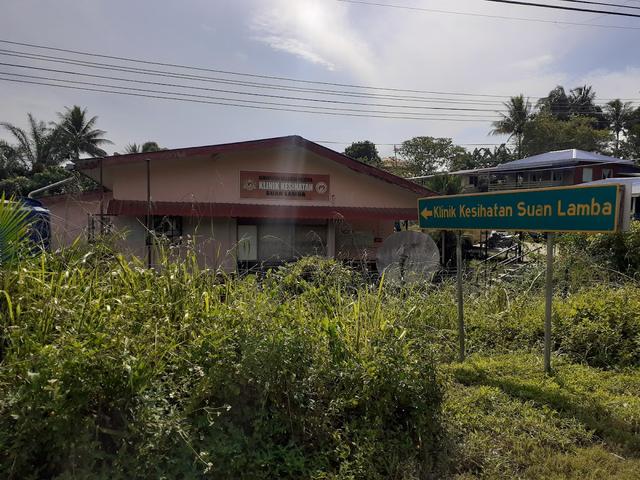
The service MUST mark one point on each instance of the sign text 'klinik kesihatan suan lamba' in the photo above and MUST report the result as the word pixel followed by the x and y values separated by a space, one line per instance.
pixel 562 209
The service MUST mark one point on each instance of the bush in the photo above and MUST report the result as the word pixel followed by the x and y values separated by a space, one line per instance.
pixel 111 370
pixel 617 251
pixel 601 327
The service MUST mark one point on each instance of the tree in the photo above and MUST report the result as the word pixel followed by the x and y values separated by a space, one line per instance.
pixel 77 133
pixel 365 152
pixel 619 116
pixel 582 103
pixel 545 133
pixel 630 147
pixel 513 122
pixel 482 158
pixel 146 147
pixel 428 155
pixel 38 147
pixel 10 164
pixel 445 184
pixel 556 104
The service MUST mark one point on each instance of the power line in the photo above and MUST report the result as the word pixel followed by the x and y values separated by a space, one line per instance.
pixel 93 84
pixel 333 142
pixel 190 100
pixel 235 92
pixel 133 70
pixel 253 94
pixel 228 72
pixel 563 7
pixel 177 75
pixel 500 17
pixel 243 83
pixel 601 3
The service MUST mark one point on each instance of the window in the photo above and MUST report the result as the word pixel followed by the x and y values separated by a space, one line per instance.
pixel 473 180
pixel 607 173
pixel 276 242
pixel 169 227
pixel 536 177
pixel 519 179
pixel 587 174
pixel 247 243
pixel 635 214
pixel 556 176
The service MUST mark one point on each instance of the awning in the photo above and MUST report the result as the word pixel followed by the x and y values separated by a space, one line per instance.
pixel 247 210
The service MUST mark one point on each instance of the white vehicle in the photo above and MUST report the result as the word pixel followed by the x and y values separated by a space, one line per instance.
pixel 630 203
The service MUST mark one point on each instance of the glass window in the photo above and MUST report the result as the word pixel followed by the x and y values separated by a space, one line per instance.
pixel 167 226
pixel 247 243
pixel 556 176
pixel 607 173
pixel 275 242
pixel 587 174
pixel 310 240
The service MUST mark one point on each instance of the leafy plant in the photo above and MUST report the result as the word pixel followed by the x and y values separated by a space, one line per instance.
pixel 13 228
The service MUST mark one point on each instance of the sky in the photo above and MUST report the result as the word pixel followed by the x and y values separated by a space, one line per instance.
pixel 317 40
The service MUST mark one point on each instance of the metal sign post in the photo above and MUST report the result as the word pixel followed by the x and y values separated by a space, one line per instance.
pixel 459 293
pixel 548 304
pixel 579 208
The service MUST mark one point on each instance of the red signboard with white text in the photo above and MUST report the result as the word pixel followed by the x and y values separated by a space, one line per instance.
pixel 291 186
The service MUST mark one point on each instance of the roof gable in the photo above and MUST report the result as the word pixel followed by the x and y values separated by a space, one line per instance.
pixel 294 140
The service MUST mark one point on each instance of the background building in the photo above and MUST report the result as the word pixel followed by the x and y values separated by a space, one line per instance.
pixel 552 169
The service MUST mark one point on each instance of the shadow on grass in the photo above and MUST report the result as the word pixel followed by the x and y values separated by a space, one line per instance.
pixel 569 404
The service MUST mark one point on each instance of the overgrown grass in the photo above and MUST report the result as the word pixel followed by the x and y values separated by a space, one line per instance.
pixel 111 370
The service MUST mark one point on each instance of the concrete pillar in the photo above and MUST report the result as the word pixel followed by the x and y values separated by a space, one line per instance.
pixel 331 239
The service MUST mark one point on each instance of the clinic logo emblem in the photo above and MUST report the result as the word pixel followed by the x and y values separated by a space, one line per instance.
pixel 249 185
pixel 321 188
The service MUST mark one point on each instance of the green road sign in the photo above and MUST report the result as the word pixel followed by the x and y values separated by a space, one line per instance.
pixel 562 209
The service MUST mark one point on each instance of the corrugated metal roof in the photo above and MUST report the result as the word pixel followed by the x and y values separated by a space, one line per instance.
pixel 558 158
pixel 555 159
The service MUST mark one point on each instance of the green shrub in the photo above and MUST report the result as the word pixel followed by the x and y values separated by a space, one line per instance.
pixel 112 370
pixel 600 327
pixel 616 251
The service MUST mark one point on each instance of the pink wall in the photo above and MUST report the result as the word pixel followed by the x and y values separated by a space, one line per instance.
pixel 217 179
pixel 69 216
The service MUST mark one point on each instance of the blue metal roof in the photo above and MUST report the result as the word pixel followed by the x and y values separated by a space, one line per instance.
pixel 559 158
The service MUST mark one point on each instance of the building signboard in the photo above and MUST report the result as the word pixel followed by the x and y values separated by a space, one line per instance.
pixel 562 209
pixel 291 186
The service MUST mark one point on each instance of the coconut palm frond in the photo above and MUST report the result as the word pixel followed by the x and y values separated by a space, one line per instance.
pixel 13 229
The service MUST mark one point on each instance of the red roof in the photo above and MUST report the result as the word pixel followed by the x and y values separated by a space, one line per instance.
pixel 93 163
pixel 249 210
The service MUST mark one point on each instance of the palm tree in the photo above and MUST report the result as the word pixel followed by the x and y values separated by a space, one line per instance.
pixel 9 161
pixel 513 122
pixel 619 116
pixel 556 103
pixel 144 148
pixel 38 147
pixel 77 133
pixel 582 102
pixel 13 228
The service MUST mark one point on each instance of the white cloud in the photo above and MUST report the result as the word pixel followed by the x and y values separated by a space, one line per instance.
pixel 623 83
pixel 296 47
pixel 321 33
